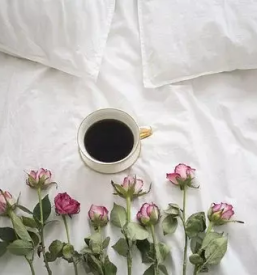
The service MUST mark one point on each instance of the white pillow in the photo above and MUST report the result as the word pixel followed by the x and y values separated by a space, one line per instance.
pixel 184 39
pixel 68 35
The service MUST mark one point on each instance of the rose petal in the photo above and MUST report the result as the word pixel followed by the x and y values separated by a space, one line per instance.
pixel 97 210
pixel 143 209
pixel 2 200
pixel 181 169
pixel 73 208
pixel 41 173
pixel 139 215
pixel 64 204
pixel 91 212
pixel 7 195
pixel 216 207
pixel 225 207
pixel 125 183
pixel 190 172
pixel 150 209
pixel 172 177
pixel 48 176
pixel 227 215
pixel 33 174
pixel 138 186
pixel 105 211
pixel 2 208
pixel 128 181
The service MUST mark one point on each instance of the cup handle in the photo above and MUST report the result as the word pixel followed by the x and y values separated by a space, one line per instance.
pixel 145 131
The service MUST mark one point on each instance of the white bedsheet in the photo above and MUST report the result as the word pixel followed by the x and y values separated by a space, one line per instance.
pixel 209 123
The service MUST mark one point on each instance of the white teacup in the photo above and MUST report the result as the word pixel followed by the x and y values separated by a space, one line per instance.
pixel 124 163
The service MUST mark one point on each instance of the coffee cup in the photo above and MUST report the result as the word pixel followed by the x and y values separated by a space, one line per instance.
pixel 109 140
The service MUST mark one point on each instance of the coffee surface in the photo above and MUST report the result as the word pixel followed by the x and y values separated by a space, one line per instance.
pixel 109 140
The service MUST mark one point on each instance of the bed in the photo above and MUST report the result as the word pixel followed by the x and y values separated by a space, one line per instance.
pixel 209 122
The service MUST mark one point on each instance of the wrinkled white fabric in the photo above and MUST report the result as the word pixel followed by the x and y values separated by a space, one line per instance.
pixel 63 34
pixel 208 123
pixel 184 39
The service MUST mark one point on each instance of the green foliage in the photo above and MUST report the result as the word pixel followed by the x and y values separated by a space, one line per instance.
pixel 195 224
pixel 118 216
pixel 169 224
pixel 46 207
pixel 20 247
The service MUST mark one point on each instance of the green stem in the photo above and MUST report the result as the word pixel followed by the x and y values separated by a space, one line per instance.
pixel 156 269
pixel 129 256
pixel 31 266
pixel 128 200
pixel 209 229
pixel 197 267
pixel 68 238
pixel 195 270
pixel 41 232
pixel 40 206
pixel 129 263
pixel 98 230
pixel 66 228
pixel 186 238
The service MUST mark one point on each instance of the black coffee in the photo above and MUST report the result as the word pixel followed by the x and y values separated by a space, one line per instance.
pixel 109 140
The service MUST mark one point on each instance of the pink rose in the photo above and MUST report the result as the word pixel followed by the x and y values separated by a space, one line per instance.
pixel 39 179
pixel 220 213
pixel 129 181
pixel 65 205
pixel 98 215
pixel 132 188
pixel 181 173
pixel 6 196
pixel 149 214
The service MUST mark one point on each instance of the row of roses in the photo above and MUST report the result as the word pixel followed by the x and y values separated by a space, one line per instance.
pixel 27 235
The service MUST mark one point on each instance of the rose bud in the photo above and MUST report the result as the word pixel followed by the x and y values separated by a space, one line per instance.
pixel 131 187
pixel 183 174
pixel 65 205
pixel 221 213
pixel 149 214
pixel 39 179
pixel 7 202
pixel 132 182
pixel 98 215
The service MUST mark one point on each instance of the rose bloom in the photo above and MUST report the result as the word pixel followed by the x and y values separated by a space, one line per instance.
pixel 149 214
pixel 129 181
pixel 98 215
pixel 220 213
pixel 40 178
pixel 65 205
pixel 181 172
pixel 6 196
